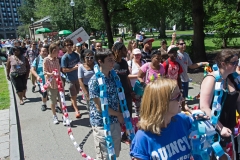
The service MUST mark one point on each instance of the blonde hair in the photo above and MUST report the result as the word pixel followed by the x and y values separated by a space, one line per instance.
pixel 155 104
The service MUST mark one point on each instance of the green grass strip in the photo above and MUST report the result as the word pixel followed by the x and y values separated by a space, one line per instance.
pixel 4 92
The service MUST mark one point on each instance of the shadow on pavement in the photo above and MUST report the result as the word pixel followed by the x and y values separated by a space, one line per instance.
pixel 30 100
pixel 85 139
pixel 81 122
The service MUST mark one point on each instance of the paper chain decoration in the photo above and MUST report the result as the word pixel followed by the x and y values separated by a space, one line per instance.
pixel 201 139
pixel 64 109
pixel 104 106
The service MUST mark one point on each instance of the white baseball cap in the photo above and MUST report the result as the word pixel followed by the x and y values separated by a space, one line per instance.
pixel 136 51
pixel 172 48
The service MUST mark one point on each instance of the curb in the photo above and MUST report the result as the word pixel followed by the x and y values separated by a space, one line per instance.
pixel 14 125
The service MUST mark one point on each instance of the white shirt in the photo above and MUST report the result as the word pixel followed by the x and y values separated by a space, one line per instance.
pixel 134 69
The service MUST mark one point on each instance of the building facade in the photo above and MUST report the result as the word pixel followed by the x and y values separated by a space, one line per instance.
pixel 9 18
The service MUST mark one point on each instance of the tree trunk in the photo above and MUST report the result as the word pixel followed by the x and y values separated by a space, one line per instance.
pixel 198 38
pixel 163 27
pixel 107 21
pixel 183 22
pixel 134 28
pixel 224 44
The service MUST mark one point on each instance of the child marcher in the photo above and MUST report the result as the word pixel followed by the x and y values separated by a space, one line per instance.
pixel 105 60
pixel 172 68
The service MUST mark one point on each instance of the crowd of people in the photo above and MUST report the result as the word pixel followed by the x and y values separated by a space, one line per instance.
pixel 162 73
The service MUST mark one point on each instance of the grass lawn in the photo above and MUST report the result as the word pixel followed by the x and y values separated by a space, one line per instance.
pixel 4 92
pixel 186 35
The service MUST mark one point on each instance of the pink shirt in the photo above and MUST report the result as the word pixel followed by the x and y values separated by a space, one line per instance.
pixel 151 73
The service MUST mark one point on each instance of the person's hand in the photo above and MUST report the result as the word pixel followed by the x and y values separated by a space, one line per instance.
pixel 205 63
pixel 143 84
pixel 120 118
pixel 174 36
pixel 38 78
pixel 75 67
pixel 225 132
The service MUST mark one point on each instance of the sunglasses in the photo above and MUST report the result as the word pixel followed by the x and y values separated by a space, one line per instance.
pixel 182 44
pixel 234 63
pixel 34 44
pixel 89 57
pixel 179 98
pixel 69 45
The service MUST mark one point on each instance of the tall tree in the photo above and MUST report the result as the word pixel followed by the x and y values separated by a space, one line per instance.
pixel 198 27
pixel 27 11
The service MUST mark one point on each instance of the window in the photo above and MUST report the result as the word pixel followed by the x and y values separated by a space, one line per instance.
pixel 9 14
pixel 8 4
pixel 16 23
pixel 9 9
pixel 15 15
pixel 2 4
pixel 16 19
pixel 3 9
pixel 11 24
pixel 18 4
pixel 4 14
pixel 13 1
pixel 14 10
pixel 14 4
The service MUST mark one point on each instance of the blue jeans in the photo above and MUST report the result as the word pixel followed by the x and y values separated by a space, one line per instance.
pixel 185 89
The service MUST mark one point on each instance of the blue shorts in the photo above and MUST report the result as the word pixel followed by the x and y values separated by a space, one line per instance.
pixel 185 89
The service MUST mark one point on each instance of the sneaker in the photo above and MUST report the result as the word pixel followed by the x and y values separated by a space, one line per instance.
pixel 58 109
pixel 44 107
pixel 78 115
pixel 33 88
pixel 55 120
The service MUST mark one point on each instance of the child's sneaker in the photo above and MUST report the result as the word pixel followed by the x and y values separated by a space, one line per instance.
pixel 55 120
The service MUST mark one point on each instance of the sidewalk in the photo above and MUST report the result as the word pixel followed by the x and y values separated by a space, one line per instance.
pixel 43 140
pixel 4 135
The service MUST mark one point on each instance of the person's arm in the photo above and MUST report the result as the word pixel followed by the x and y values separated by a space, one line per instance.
pixel 179 82
pixel 33 71
pixel 64 66
pixel 27 67
pixel 80 80
pixel 46 70
pixel 8 67
pixel 110 110
pixel 196 65
pixel 132 76
pixel 141 75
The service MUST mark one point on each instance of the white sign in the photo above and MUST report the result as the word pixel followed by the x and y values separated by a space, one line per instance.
pixel 174 27
pixel 79 36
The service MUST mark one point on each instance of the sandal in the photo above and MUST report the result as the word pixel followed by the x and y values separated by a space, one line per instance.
pixel 21 103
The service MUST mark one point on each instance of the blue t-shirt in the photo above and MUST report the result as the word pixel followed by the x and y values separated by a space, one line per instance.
pixel 172 144
pixel 113 101
pixel 69 61
pixel 39 68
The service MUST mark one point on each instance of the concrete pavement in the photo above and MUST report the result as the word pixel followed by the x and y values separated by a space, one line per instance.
pixel 4 134
pixel 43 140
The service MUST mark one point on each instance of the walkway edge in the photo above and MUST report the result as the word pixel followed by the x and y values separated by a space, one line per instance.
pixel 13 124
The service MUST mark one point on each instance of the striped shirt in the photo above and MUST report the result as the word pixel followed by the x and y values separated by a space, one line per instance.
pixel 49 65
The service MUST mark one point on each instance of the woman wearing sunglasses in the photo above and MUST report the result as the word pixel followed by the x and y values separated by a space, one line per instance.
pixel 85 72
pixel 163 131
pixel 227 62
